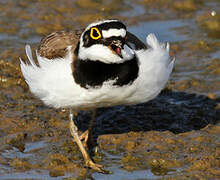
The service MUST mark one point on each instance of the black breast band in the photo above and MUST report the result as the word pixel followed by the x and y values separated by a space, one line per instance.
pixel 94 73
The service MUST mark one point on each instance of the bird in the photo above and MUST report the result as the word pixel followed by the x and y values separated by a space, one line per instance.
pixel 103 65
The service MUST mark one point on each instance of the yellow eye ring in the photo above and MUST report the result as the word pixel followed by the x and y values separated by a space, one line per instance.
pixel 97 33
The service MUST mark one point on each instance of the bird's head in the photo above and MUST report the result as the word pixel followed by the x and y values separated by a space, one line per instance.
pixel 105 41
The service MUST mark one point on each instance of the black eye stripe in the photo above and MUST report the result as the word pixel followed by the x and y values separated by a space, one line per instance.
pixel 109 40
pixel 104 41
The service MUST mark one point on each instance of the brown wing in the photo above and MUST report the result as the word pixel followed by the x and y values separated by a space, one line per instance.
pixel 134 42
pixel 55 44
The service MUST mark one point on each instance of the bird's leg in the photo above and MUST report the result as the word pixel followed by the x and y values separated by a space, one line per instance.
pixel 88 160
pixel 84 135
pixel 87 135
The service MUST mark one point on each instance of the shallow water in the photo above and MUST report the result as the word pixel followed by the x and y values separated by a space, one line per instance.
pixel 172 137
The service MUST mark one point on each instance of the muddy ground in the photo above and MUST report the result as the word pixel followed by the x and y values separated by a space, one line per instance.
pixel 175 136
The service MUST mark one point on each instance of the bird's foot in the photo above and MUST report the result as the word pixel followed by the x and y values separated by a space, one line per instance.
pixel 97 167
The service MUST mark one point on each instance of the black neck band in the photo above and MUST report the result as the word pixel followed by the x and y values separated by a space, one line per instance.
pixel 95 73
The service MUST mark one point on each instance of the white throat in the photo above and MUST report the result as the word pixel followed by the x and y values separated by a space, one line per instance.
pixel 99 52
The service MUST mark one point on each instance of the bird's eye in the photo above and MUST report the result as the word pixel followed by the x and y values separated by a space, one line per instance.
pixel 95 33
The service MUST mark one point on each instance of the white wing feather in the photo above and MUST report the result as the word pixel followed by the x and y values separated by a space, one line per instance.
pixel 160 54
pixel 43 79
pixel 155 69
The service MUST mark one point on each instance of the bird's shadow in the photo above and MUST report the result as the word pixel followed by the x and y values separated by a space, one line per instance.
pixel 174 111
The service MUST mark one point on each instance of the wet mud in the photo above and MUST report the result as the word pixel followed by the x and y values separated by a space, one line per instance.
pixel 175 136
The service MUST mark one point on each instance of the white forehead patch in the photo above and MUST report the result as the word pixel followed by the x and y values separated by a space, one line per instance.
pixel 114 32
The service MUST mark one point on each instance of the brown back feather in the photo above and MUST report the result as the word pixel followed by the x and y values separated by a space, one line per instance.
pixel 55 44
